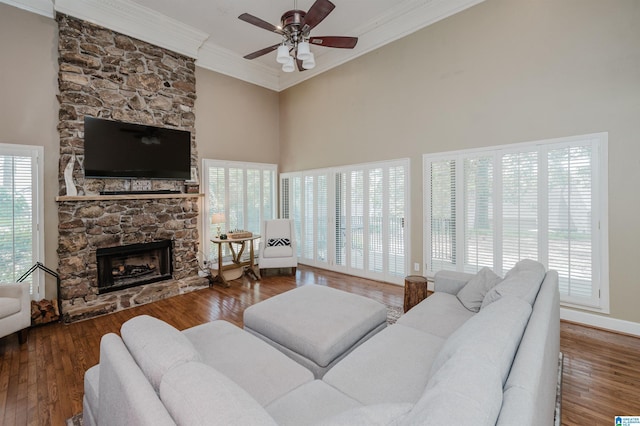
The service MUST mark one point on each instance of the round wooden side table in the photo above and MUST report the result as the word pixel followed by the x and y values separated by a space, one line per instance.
pixel 415 290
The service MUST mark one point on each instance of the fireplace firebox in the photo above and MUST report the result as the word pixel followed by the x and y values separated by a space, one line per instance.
pixel 133 265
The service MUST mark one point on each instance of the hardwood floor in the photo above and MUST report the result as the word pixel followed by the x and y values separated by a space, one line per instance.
pixel 41 382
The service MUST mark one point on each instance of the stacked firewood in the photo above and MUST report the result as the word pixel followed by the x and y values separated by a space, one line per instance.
pixel 44 311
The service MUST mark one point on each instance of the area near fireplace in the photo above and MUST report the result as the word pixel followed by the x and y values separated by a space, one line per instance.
pixel 132 265
pixel 109 75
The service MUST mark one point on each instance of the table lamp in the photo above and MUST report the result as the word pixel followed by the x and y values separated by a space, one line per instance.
pixel 217 219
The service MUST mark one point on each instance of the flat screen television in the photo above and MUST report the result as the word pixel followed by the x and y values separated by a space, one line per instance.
pixel 114 149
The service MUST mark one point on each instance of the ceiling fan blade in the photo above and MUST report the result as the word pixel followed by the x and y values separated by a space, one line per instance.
pixel 333 41
pixel 260 23
pixel 261 52
pixel 318 11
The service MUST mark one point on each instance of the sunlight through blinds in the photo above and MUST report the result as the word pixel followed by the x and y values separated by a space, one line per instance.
pixel 16 216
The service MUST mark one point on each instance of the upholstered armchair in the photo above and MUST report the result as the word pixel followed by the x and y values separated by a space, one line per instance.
pixel 15 309
pixel 278 246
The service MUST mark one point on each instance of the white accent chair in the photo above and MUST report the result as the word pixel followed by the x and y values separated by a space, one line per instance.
pixel 273 253
pixel 15 310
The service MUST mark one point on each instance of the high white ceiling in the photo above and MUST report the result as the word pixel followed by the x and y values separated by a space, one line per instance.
pixel 210 31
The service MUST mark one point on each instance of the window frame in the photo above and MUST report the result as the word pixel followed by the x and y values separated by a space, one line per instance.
pixel 599 302
pixel 206 226
pixel 288 205
pixel 37 198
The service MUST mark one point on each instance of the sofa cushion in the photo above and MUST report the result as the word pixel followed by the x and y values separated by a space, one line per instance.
pixel 439 314
pixel 533 377
pixel 465 391
pixel 126 397
pixel 472 294
pixel 91 394
pixel 391 367
pixel 278 251
pixel 9 306
pixel 523 281
pixel 370 415
pixel 493 333
pixel 264 372
pixel 196 394
pixel 309 404
pixel 156 346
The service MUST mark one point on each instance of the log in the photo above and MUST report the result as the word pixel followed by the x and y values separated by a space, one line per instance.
pixel 415 290
pixel 44 311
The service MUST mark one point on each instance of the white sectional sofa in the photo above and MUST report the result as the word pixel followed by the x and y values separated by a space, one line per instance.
pixel 441 363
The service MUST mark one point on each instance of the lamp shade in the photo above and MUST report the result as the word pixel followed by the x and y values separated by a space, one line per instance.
pixel 303 51
pixel 309 63
pixel 283 54
pixel 217 218
pixel 289 66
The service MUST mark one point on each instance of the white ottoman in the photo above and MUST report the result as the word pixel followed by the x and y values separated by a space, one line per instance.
pixel 316 325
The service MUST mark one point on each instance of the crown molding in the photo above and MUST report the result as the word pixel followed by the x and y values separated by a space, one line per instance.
pixel 40 7
pixel 137 21
pixel 229 63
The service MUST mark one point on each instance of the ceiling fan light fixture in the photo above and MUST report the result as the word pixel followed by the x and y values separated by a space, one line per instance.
pixel 304 52
pixel 289 66
pixel 309 63
pixel 283 54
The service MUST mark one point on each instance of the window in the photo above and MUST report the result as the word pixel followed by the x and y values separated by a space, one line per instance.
pixel 544 200
pixel 21 239
pixel 351 219
pixel 245 193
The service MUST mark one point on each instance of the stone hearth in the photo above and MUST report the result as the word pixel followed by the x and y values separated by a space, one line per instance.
pixel 110 75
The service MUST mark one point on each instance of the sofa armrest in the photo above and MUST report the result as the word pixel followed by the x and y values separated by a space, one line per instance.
pixel 14 290
pixel 450 281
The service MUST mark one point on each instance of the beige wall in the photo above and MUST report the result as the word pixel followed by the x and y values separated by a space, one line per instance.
pixel 502 72
pixel 235 120
pixel 28 105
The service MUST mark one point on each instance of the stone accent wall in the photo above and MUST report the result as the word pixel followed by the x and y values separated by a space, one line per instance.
pixel 109 75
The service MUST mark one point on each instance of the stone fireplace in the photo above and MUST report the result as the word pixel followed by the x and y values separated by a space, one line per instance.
pixel 110 75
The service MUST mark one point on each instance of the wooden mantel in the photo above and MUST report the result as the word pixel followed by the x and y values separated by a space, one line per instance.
pixel 63 198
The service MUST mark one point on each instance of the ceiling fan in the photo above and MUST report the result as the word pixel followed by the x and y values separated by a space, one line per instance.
pixel 295 26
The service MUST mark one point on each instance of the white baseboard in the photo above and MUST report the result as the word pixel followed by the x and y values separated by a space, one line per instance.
pixel 599 321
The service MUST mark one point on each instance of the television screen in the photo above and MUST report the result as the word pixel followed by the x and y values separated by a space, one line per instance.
pixel 114 149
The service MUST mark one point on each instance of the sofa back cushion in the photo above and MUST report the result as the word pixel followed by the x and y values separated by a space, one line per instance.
pixel 156 346
pixel 473 293
pixel 522 281
pixel 197 394
pixel 494 333
pixel 529 394
pixel 125 395
pixel 465 391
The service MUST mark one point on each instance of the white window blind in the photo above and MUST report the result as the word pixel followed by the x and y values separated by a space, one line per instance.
pixel 21 242
pixel 479 228
pixel 243 192
pixel 542 200
pixel 351 219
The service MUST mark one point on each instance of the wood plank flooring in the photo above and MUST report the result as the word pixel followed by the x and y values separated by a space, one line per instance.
pixel 41 382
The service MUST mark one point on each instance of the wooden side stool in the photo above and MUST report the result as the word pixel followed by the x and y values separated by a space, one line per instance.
pixel 415 290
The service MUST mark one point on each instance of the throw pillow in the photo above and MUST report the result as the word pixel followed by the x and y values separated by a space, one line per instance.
pixel 522 281
pixel 472 294
pixel 275 242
